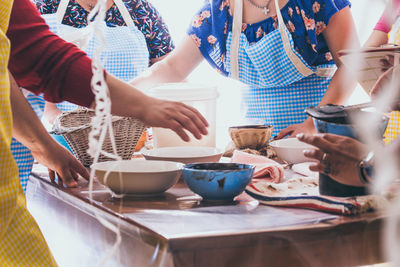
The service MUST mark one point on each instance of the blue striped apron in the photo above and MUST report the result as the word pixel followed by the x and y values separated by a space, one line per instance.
pixel 125 56
pixel 279 82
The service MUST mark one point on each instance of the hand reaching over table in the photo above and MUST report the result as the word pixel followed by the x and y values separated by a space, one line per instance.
pixel 382 85
pixel 61 164
pixel 305 127
pixel 28 129
pixel 338 156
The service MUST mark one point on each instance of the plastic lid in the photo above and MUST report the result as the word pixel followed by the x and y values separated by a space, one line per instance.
pixel 184 91
pixel 326 112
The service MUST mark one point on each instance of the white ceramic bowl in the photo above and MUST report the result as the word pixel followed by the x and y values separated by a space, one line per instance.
pixel 291 150
pixel 138 177
pixel 184 154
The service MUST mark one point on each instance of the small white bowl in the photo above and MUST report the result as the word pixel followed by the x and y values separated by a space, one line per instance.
pixel 138 177
pixel 184 154
pixel 291 150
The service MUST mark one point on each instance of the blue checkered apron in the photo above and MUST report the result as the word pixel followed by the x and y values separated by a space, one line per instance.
pixel 279 83
pixel 125 56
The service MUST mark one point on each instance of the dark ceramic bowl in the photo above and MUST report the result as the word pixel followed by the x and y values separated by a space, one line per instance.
pixel 217 181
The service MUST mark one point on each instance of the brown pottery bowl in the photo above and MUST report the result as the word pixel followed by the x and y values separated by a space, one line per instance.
pixel 250 136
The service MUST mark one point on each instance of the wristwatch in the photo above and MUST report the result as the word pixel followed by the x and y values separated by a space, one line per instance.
pixel 366 168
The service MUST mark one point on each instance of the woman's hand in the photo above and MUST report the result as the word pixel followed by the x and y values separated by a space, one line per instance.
pixel 175 116
pixel 338 156
pixel 382 85
pixel 61 162
pixel 130 102
pixel 306 127
pixel 51 111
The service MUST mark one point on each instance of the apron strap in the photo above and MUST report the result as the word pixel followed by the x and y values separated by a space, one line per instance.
pixel 125 13
pixel 236 31
pixel 62 8
pixel 326 72
pixel 300 66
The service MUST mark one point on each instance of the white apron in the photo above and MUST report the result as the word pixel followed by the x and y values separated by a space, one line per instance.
pixel 125 56
pixel 280 82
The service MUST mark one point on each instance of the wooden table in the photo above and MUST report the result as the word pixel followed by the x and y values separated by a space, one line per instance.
pixel 177 229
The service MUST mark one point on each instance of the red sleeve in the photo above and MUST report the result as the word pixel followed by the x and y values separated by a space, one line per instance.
pixel 40 61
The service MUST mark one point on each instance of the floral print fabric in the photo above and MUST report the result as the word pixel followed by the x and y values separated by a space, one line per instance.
pixel 305 20
pixel 144 15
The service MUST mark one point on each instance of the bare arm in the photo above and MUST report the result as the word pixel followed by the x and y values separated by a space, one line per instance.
pixel 174 68
pixel 339 34
pixel 376 39
pixel 128 101
pixel 51 111
pixel 28 129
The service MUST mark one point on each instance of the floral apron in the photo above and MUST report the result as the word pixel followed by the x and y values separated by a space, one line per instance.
pixel 125 56
pixel 280 83
pixel 393 128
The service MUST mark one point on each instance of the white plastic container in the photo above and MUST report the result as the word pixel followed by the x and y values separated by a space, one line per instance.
pixel 202 97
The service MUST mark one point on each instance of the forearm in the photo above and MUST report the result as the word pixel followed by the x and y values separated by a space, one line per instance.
pixel 174 68
pixel 27 128
pixel 51 112
pixel 340 88
pixel 376 39
pixel 125 99
pixel 340 34
pixel 159 73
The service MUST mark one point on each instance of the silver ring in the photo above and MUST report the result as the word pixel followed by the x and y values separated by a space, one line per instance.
pixel 324 156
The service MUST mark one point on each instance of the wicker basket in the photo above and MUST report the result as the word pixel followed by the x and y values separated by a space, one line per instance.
pixel 74 126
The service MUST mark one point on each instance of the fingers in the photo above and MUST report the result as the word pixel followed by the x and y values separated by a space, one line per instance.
pixel 186 117
pixel 178 129
pixel 188 124
pixel 318 167
pixel 314 154
pixel 78 169
pixel 331 137
pixel 193 121
pixel 380 83
pixel 68 178
pixel 198 115
pixel 287 131
pixel 316 140
pixel 386 63
pixel 52 175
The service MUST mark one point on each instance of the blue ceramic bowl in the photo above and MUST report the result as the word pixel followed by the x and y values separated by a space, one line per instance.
pixel 347 129
pixel 217 181
pixel 327 185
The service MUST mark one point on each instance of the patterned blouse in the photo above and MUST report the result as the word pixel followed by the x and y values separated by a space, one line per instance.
pixel 144 15
pixel 305 20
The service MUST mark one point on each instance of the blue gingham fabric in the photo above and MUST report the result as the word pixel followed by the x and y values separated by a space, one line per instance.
pixel 282 106
pixel 265 63
pixel 125 56
pixel 276 92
